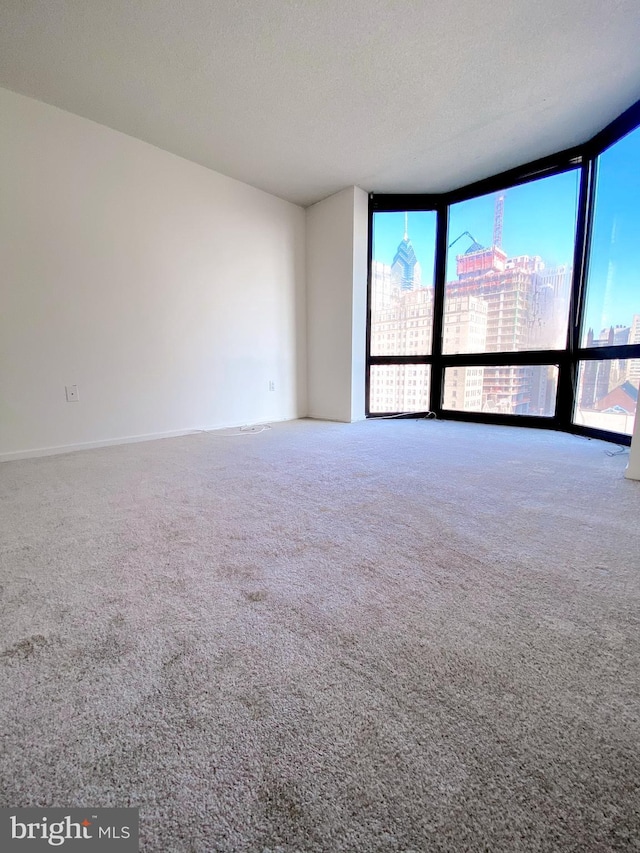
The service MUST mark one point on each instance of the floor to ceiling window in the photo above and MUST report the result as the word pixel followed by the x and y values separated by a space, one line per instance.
pixel 507 289
pixel 516 300
pixel 607 389
pixel 401 310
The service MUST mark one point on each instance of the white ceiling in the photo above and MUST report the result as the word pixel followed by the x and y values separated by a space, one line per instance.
pixel 304 97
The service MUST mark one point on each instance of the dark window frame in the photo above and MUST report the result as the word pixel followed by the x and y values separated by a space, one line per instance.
pixel 582 158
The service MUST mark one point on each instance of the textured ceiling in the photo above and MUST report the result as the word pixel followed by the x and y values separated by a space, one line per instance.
pixel 304 97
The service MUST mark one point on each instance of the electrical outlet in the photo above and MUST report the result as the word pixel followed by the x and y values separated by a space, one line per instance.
pixel 72 393
pixel 272 385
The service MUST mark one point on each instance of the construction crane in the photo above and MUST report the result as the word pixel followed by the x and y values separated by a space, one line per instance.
pixel 498 216
pixel 475 246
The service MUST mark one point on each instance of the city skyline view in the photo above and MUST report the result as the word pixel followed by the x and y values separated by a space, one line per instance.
pixel 509 270
pixel 544 212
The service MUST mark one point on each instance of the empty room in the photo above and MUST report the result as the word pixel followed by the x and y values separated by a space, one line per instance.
pixel 319 461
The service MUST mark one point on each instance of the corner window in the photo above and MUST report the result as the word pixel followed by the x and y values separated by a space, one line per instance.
pixel 517 299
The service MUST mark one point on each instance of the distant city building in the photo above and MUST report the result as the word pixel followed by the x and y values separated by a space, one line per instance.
pixel 381 285
pixel 633 365
pixel 465 324
pixel 527 308
pixel 601 377
pixel 399 388
pixel 463 389
pixel 608 389
pixel 405 269
pixel 496 304
pixel 404 326
pixel 622 399
pixel 465 330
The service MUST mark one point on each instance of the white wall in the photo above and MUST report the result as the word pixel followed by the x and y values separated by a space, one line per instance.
pixel 336 305
pixel 170 294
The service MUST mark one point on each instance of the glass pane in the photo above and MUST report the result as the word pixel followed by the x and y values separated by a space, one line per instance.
pixel 506 390
pixel 607 394
pixel 402 282
pixel 612 309
pixel 509 268
pixel 398 388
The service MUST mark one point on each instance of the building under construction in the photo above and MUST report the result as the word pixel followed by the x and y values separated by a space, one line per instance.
pixel 496 304
pixel 522 313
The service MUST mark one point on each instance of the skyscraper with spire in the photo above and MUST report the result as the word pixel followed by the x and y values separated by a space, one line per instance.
pixel 406 273
pixel 401 324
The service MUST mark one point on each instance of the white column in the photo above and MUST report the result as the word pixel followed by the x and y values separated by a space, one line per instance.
pixel 633 468
pixel 359 302
pixel 336 305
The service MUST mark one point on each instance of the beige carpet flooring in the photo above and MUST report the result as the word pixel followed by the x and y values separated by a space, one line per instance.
pixel 391 636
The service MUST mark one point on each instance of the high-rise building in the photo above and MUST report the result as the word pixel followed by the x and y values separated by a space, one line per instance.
pixel 463 389
pixel 399 388
pixel 527 308
pixel 381 285
pixel 465 324
pixel 512 292
pixel 619 366
pixel 464 330
pixel 404 325
pixel 596 374
pixel 507 287
pixel 633 365
pixel 550 308
pixel 406 272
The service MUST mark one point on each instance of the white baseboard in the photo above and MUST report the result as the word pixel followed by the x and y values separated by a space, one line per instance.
pixel 90 445
pixel 127 439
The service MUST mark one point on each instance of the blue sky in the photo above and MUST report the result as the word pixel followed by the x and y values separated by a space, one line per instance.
pixel 539 219
pixel 613 291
